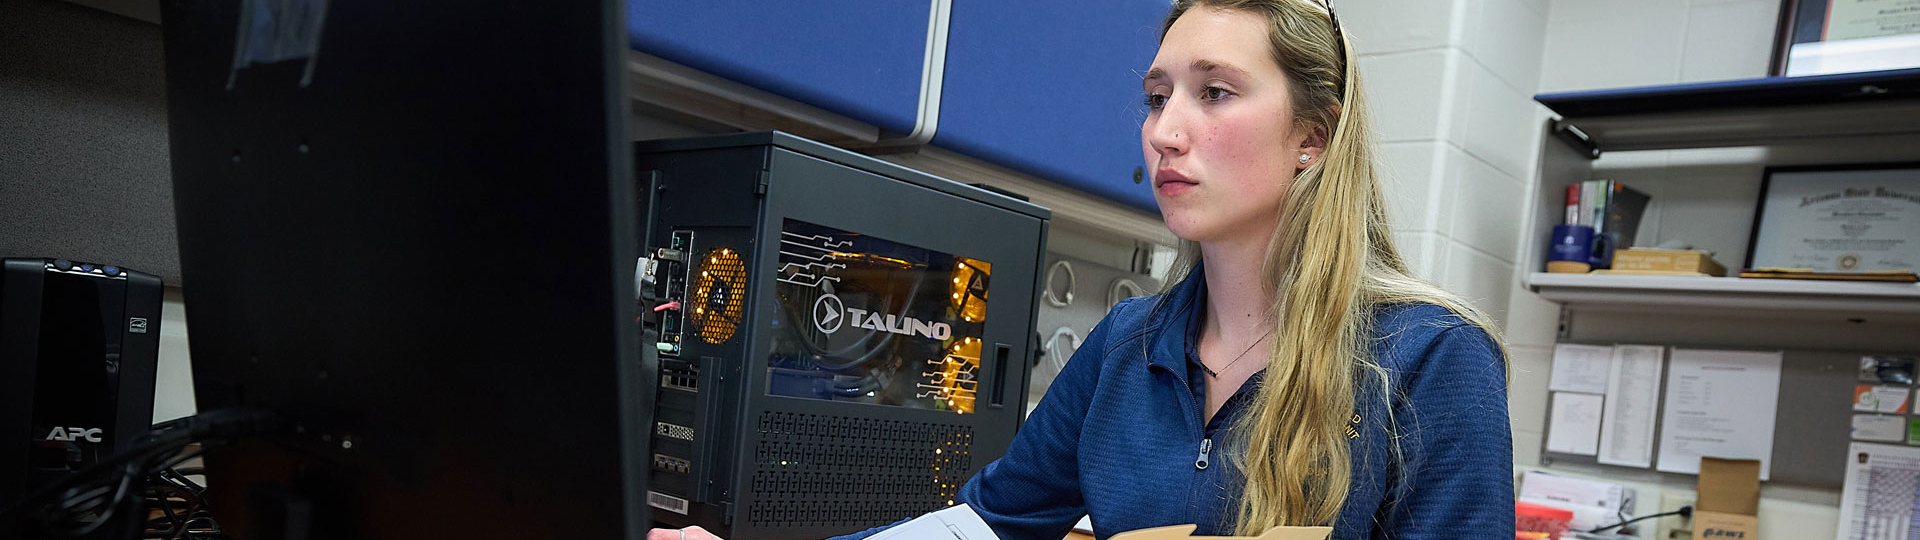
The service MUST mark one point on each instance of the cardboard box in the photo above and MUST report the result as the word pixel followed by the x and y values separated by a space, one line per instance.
pixel 1724 526
pixel 1666 261
pixel 1729 500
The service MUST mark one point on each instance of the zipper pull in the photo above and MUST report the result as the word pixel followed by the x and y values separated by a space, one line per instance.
pixel 1206 446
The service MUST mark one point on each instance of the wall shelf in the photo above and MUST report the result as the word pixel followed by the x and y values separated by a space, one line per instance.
pixel 1784 297
pixel 1737 113
pixel 1811 116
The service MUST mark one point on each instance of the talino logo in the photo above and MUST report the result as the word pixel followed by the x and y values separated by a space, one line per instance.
pixel 899 324
pixel 829 314
pixel 74 434
pixel 1722 533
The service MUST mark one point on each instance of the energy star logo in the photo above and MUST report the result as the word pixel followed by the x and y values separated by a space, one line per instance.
pixel 74 434
pixel 829 314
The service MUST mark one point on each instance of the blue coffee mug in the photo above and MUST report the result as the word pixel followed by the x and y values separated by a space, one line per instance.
pixel 1571 243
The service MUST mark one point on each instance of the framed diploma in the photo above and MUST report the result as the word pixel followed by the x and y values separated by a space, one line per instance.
pixel 1850 218
pixel 1824 37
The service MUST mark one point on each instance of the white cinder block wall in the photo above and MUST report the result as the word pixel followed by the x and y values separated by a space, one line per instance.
pixel 1451 85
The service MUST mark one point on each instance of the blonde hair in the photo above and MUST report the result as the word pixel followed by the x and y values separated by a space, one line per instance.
pixel 1331 263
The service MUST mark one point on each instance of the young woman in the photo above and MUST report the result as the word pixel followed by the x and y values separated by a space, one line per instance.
pixel 1296 373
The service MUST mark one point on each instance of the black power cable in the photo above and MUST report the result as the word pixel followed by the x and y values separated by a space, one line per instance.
pixel 96 496
pixel 1684 511
pixel 183 512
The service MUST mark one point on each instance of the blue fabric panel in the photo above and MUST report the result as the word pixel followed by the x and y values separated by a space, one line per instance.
pixel 860 59
pixel 1052 89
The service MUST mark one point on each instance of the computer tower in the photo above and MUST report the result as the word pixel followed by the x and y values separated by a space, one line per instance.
pixel 79 343
pixel 844 341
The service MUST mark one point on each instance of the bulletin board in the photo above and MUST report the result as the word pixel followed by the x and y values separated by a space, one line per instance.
pixel 1812 422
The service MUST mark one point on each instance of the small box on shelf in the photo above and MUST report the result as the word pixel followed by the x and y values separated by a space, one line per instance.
pixel 1665 262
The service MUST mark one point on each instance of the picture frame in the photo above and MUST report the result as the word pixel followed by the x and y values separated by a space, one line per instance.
pixel 1851 218
pixel 1829 37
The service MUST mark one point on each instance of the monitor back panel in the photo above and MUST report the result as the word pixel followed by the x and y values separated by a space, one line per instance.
pixel 405 227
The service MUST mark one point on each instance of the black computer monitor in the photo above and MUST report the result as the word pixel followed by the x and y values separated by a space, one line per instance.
pixel 408 229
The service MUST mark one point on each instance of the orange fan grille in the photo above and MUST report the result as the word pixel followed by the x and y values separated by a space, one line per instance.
pixel 717 296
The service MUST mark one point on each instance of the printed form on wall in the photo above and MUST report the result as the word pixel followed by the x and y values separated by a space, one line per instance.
pixel 1719 404
pixel 1574 427
pixel 1581 368
pixel 1633 399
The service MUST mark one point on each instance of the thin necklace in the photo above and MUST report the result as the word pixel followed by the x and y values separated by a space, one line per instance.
pixel 1236 359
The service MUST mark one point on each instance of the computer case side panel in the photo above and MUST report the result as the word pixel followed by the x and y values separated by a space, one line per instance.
pixel 814 467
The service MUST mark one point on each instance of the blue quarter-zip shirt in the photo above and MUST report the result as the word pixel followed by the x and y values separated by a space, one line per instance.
pixel 1119 435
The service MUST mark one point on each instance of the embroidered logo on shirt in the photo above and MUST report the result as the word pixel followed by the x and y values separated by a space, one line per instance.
pixel 1352 425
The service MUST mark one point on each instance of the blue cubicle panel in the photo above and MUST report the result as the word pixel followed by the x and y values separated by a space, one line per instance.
pixel 1052 89
pixel 857 58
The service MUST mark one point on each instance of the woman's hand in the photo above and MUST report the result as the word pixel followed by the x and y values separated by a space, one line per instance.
pixel 689 533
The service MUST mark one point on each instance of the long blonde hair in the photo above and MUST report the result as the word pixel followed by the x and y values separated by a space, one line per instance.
pixel 1331 263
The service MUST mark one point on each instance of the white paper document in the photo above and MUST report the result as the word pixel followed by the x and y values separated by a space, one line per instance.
pixel 1574 427
pixel 1594 503
pixel 1633 399
pixel 1581 368
pixel 1882 487
pixel 1719 404
pixel 1879 427
pixel 954 523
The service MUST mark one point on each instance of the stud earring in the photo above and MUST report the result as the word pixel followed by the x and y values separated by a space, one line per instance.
pixel 1304 158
